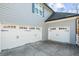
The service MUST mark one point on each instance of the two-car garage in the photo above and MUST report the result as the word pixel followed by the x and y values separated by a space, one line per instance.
pixel 17 35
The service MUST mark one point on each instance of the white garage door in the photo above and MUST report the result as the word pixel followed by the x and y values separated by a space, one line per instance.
pixel 14 37
pixel 60 34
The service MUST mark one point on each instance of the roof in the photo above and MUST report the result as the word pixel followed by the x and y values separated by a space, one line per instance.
pixel 60 15
pixel 48 7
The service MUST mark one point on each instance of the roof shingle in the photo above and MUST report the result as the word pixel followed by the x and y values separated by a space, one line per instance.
pixel 60 15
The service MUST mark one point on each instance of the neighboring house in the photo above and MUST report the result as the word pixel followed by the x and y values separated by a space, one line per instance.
pixel 26 23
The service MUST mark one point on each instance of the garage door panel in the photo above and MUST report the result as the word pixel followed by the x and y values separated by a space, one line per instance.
pixel 30 36
pixel 25 36
pixel 9 38
pixel 64 36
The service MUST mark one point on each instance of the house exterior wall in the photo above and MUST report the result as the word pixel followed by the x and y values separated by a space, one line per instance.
pixel 67 36
pixel 45 32
pixel 20 14
pixel 73 31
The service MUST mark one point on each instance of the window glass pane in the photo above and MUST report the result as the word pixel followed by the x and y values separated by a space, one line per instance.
pixel 32 28
pixel 52 28
pixel 36 10
pixel 36 5
pixel 40 12
pixel 37 28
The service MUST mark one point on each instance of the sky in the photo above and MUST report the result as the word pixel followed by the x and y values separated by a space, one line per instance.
pixel 65 7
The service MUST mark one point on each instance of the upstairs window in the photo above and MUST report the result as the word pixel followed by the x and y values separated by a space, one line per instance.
pixel 38 9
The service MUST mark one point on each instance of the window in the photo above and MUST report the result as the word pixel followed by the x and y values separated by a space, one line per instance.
pixel 32 28
pixel 38 9
pixel 37 28
pixel 9 27
pixel 52 28
pixel 62 28
pixel 23 27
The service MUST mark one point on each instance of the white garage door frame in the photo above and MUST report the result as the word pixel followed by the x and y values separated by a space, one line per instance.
pixel 59 35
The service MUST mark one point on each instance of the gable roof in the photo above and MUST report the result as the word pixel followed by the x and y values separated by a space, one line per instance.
pixel 60 15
